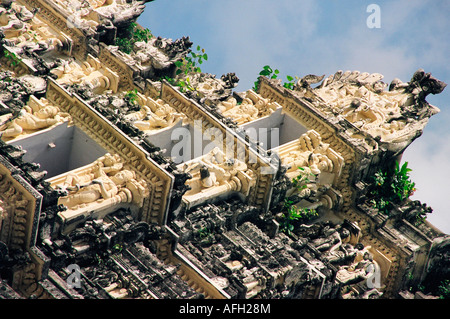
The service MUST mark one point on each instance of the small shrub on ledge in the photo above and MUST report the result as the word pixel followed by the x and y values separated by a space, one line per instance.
pixel 130 36
pixel 391 189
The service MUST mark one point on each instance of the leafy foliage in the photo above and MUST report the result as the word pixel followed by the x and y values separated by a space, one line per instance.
pixel 203 232
pixel 295 215
pixel 421 214
pixel 444 289
pixel 302 179
pixel 389 189
pixel 132 96
pixel 204 236
pixel 12 57
pixel 401 184
pixel 190 64
pixel 266 71
pixel 117 248
pixel 273 74
pixel 132 35
pixel 290 82
pixel 185 85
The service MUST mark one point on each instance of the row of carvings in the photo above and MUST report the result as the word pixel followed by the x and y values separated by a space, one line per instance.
pixel 239 149
pixel 25 37
pixel 391 252
pixel 96 127
pixel 20 208
pixel 105 135
pixel 405 245
pixel 161 181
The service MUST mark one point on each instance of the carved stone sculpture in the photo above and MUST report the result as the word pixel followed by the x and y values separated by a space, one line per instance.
pixel 214 169
pixel 107 179
pixel 394 116
pixel 154 116
pixel 92 74
pixel 214 175
pixel 38 114
pixel 90 14
pixel 438 266
pixel 146 228
pixel 155 57
pixel 103 187
pixel 362 268
pixel 251 108
pixel 314 164
pixel 25 34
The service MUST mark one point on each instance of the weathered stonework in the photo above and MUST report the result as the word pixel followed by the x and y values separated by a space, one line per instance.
pixel 91 184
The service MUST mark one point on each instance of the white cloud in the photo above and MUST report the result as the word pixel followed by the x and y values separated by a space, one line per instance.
pixel 428 157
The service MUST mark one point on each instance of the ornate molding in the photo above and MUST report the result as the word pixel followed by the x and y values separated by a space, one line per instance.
pixel 55 17
pixel 21 205
pixel 112 60
pixel 19 68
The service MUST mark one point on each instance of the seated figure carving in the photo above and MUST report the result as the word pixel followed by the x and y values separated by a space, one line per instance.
pixel 92 74
pixel 68 72
pixel 108 164
pixel 214 169
pixel 251 108
pixel 161 116
pixel 310 153
pixel 107 180
pixel 361 269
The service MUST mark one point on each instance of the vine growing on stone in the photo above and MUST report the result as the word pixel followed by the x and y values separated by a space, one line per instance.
pixel 186 67
pixel 273 74
pixel 12 57
pixel 295 215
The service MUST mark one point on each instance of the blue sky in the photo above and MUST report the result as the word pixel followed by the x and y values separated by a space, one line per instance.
pixel 322 37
